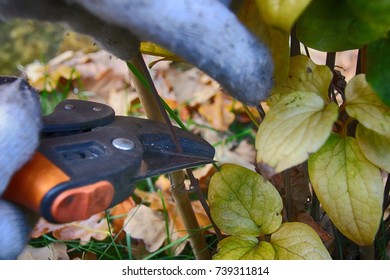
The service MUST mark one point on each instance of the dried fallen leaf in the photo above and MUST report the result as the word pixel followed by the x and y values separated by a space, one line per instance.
pixel 54 251
pixel 307 219
pixel 95 227
pixel 159 202
pixel 218 113
pixel 147 224
pixel 120 212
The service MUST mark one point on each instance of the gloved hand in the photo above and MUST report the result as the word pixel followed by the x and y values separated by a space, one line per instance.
pixel 204 32
pixel 20 123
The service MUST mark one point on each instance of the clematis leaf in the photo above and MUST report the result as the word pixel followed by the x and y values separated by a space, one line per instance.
pixel 243 203
pixel 297 125
pixel 281 13
pixel 298 241
pixel 235 247
pixel 364 105
pixel 349 188
pixel 374 146
pixel 378 72
pixel 292 241
pixel 304 75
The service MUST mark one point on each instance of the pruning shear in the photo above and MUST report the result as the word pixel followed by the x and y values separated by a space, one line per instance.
pixel 89 160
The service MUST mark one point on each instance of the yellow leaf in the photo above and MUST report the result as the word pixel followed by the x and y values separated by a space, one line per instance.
pixel 292 241
pixel 234 247
pixel 374 146
pixel 296 126
pixel 154 49
pixel 243 203
pixel 298 241
pixel 304 75
pixel 364 105
pixel 281 13
pixel 275 38
pixel 349 188
pixel 264 251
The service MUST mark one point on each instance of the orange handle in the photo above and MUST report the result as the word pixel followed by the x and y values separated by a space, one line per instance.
pixel 30 184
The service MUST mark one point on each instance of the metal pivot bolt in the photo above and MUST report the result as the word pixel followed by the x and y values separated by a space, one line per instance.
pixel 69 106
pixel 123 144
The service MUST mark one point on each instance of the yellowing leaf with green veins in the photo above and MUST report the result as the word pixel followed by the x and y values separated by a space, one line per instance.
pixel 240 247
pixel 306 76
pixel 374 146
pixel 363 104
pixel 262 251
pixel 297 125
pixel 281 13
pixel 243 203
pixel 292 241
pixel 298 241
pixel 349 188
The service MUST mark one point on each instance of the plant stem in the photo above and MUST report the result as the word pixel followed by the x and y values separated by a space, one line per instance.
pixel 331 60
pixel 154 110
pixel 183 205
pixel 295 45
pixel 367 252
pixel 148 95
pixel 202 199
pixel 287 190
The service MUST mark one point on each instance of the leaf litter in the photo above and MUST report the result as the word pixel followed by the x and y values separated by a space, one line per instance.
pixel 196 98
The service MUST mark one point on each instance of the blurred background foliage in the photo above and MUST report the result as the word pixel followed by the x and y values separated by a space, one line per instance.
pixel 24 41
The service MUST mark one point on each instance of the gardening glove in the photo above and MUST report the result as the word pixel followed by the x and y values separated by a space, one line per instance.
pixel 203 32
pixel 20 123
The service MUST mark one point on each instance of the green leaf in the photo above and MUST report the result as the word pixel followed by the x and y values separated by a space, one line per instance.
pixel 364 105
pixel 306 76
pixel 349 188
pixel 298 241
pixel 374 146
pixel 374 12
pixel 281 13
pixel 332 26
pixel 296 126
pixel 243 203
pixel 243 247
pixel 378 71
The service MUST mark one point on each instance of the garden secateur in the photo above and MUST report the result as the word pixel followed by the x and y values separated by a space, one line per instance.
pixel 89 160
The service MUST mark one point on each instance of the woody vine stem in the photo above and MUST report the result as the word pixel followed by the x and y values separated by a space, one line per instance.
pixel 154 110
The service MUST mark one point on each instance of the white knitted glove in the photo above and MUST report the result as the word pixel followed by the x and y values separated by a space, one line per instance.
pixel 20 123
